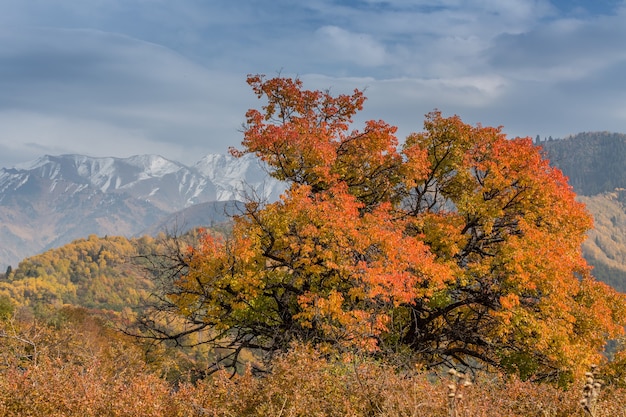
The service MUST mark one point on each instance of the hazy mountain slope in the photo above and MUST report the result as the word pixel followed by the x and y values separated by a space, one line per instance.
pixel 605 248
pixel 204 214
pixel 43 213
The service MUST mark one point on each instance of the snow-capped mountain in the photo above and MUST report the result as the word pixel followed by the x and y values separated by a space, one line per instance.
pixel 169 185
pixel 55 199
pixel 238 178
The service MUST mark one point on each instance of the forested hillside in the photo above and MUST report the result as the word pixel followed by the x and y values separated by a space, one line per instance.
pixel 101 273
pixel 593 161
pixel 605 248
pixel 595 164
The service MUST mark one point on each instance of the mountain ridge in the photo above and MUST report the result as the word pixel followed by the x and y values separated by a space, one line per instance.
pixel 53 200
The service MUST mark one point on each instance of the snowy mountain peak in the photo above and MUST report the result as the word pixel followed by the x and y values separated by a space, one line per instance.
pixel 169 185
pixel 237 178
pixel 94 168
pixel 154 165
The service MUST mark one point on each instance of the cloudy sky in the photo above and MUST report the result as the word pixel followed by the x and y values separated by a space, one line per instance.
pixel 125 77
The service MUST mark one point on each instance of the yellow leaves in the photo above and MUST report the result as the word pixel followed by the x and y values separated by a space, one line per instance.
pixel 600 308
pixel 186 302
pixel 443 233
pixel 416 166
pixel 315 307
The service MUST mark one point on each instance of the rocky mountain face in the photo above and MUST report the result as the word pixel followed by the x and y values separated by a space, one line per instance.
pixel 56 199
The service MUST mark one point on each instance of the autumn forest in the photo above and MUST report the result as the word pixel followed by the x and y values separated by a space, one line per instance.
pixel 448 273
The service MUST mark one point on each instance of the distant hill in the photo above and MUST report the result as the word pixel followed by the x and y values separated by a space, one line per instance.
pixel 210 214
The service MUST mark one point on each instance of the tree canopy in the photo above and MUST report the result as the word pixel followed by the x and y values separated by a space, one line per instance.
pixel 459 246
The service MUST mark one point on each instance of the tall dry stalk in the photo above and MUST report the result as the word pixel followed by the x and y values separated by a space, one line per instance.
pixel 458 381
pixel 591 391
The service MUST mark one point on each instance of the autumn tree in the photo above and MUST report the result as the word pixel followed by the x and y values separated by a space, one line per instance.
pixel 458 247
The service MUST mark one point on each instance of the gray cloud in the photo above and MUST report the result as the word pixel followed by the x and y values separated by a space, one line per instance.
pixel 563 50
pixel 97 91
pixel 152 76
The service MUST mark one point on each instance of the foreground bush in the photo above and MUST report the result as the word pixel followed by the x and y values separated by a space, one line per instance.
pixel 85 370
pixel 303 385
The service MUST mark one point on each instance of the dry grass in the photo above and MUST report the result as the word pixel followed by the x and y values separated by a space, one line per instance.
pixel 109 379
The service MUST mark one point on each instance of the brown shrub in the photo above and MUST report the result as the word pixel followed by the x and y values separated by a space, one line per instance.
pixel 76 372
